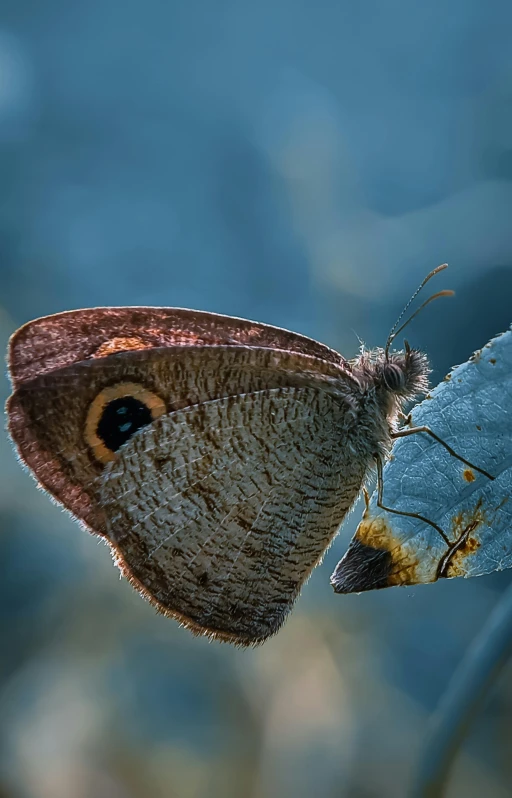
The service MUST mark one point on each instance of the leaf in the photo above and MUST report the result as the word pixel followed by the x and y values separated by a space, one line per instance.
pixel 471 410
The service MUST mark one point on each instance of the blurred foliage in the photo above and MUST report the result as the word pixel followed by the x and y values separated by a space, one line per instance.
pixel 305 164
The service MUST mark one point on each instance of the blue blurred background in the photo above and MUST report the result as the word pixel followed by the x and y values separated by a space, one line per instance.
pixel 299 162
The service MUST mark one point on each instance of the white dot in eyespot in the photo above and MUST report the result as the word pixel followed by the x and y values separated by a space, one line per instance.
pixel 125 427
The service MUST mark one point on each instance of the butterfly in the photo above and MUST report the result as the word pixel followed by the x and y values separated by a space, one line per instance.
pixel 217 456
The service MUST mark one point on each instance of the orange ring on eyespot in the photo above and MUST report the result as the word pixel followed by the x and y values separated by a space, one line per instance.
pixel 154 403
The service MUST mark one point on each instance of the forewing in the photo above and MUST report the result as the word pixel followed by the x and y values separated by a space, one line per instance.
pixel 54 342
pixel 220 511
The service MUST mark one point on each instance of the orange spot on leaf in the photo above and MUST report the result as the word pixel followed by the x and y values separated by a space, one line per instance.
pixel 465 543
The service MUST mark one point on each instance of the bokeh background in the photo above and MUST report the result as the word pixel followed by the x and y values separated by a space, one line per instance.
pixel 299 162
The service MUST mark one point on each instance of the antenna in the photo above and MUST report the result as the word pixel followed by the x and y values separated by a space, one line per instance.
pixel 394 331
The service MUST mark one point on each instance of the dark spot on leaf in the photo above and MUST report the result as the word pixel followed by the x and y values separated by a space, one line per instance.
pixel 362 568
pixel 374 559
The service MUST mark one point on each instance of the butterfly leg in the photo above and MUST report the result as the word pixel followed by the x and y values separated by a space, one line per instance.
pixel 366 496
pixel 406 419
pixel 380 487
pixel 403 433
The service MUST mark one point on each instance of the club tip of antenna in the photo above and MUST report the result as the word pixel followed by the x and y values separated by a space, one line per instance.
pixel 435 271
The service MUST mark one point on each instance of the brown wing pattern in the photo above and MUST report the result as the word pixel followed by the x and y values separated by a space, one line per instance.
pixel 47 415
pixel 220 511
pixel 53 342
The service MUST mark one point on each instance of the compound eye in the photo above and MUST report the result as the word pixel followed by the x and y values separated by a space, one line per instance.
pixel 116 414
pixel 394 377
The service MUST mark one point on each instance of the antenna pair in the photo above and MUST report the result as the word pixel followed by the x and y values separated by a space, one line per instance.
pixel 394 332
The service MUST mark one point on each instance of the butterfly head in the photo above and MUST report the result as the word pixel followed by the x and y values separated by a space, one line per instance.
pixel 404 375
pixel 394 378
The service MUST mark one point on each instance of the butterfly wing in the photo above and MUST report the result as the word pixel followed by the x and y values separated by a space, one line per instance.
pixel 53 342
pixel 219 512
pixel 257 495
pixel 49 415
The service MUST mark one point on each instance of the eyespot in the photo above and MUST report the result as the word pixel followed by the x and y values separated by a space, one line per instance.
pixel 116 414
